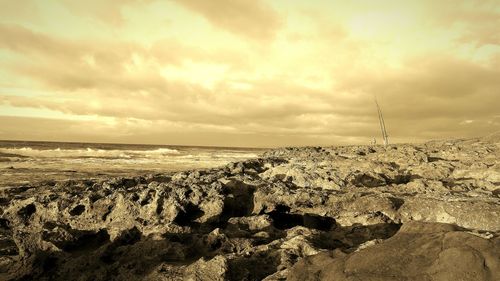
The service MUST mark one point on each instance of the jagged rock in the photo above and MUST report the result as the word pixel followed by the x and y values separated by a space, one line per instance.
pixel 252 223
pixel 333 209
pixel 424 186
pixel 211 270
pixel 297 242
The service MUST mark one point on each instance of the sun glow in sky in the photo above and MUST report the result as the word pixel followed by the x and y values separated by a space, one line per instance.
pixel 248 72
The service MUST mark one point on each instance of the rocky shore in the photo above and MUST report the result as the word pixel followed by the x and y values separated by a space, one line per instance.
pixel 403 212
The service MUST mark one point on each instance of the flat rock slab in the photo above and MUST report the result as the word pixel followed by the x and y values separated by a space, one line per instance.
pixel 419 251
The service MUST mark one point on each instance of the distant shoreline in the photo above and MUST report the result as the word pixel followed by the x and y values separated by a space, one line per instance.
pixel 135 144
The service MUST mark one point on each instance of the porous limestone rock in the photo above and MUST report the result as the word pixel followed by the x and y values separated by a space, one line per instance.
pixel 403 212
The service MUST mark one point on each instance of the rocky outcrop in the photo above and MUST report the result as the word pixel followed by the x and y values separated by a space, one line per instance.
pixel 419 251
pixel 403 212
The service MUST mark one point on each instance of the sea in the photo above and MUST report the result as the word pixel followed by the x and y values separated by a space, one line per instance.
pixel 30 162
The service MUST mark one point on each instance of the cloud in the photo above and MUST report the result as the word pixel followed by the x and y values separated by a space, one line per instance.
pixel 430 96
pixel 132 132
pixel 107 73
pixel 253 19
pixel 479 20
pixel 429 99
pixel 23 40
pixel 109 11
pixel 313 85
pixel 422 99
pixel 15 10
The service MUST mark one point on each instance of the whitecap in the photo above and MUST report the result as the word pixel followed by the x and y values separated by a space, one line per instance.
pixel 89 153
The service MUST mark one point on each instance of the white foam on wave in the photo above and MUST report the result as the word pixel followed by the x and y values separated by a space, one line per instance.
pixel 89 152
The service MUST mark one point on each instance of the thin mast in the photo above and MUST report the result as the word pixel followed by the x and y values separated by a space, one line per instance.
pixel 382 124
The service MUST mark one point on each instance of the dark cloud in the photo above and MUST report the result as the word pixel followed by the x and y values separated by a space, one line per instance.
pixel 241 17
pixel 24 41
pixel 430 96
pixel 156 133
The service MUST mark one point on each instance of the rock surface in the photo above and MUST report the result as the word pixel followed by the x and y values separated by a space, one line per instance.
pixel 403 212
pixel 419 251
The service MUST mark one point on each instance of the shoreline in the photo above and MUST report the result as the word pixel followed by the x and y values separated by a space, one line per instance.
pixel 289 211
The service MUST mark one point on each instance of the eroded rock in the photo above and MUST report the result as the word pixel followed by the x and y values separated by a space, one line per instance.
pixel 403 212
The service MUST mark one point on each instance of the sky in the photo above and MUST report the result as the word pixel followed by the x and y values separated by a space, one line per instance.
pixel 257 73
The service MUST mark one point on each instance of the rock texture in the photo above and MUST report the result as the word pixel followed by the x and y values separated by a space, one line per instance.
pixel 419 251
pixel 403 212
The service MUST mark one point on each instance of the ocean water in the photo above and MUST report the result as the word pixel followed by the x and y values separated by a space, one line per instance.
pixel 23 163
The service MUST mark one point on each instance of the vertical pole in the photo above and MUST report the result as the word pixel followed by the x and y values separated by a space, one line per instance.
pixel 382 124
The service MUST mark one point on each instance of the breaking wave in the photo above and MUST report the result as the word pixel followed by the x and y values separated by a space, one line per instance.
pixel 88 153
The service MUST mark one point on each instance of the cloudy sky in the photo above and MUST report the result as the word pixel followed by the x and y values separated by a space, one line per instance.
pixel 248 72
